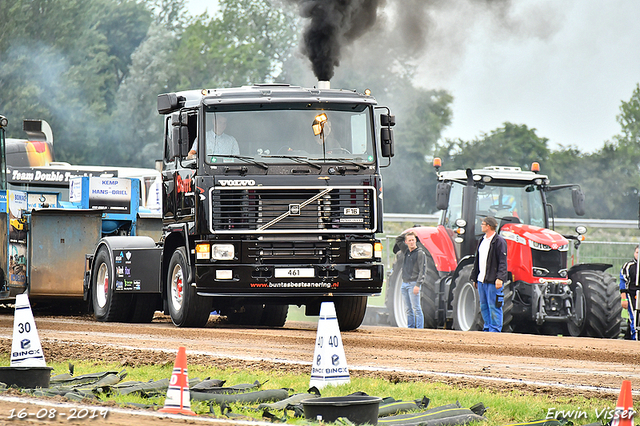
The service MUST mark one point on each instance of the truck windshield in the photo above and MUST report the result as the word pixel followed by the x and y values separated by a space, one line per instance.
pixel 522 202
pixel 285 134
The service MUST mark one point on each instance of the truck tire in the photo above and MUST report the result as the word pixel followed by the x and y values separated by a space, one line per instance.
pixel 186 308
pixel 428 295
pixel 274 315
pixel 602 307
pixel 465 303
pixel 249 314
pixel 350 311
pixel 108 306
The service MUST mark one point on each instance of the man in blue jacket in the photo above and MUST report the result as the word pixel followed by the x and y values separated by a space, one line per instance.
pixel 489 274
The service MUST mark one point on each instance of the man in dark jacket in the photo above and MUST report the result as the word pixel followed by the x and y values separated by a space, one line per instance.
pixel 413 275
pixel 490 273
pixel 628 288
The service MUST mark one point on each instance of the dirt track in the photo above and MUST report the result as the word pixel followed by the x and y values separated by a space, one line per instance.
pixel 549 364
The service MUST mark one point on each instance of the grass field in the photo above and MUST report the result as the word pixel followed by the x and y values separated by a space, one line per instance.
pixel 504 407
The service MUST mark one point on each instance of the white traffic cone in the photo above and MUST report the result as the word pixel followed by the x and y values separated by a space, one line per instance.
pixel 329 365
pixel 26 350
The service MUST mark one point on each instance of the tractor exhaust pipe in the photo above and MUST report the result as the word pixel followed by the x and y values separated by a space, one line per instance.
pixel 324 84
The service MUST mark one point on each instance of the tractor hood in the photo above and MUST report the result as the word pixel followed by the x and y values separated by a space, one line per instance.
pixel 534 236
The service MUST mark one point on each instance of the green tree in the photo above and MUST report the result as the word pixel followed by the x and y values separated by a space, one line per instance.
pixel 245 43
pixel 510 145
pixel 63 61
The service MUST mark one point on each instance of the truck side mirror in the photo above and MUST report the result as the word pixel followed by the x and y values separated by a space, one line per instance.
pixel 180 135
pixel 577 197
pixel 386 141
pixel 443 190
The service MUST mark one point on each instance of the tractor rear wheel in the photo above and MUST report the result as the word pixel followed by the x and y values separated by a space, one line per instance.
pixel 466 304
pixel 428 295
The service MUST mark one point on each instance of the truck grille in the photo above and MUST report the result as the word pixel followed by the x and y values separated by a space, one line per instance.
pixel 548 263
pixel 293 209
pixel 274 252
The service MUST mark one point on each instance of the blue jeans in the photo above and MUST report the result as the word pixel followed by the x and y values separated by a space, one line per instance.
pixel 412 307
pixel 491 314
pixel 631 316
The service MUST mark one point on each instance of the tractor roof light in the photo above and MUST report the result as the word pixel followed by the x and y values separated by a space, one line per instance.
pixel 486 179
pixel 535 167
pixel 437 163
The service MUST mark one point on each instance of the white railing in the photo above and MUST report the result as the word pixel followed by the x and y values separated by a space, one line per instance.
pixel 598 223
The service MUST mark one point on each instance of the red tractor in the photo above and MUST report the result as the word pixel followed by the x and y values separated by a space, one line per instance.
pixel 544 293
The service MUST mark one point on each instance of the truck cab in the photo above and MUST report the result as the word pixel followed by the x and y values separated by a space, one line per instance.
pixel 272 196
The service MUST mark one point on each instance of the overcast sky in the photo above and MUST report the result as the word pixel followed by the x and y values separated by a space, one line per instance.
pixel 562 67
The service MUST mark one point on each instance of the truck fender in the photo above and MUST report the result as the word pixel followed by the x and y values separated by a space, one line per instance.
pixel 112 244
pixel 176 237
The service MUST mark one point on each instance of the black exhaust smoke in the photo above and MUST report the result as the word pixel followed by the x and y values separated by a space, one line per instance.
pixel 333 24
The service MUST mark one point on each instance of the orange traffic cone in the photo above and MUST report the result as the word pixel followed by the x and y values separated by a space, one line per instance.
pixel 178 399
pixel 624 413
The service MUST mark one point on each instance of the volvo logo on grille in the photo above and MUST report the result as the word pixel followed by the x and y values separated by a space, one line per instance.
pixel 294 209
pixel 237 182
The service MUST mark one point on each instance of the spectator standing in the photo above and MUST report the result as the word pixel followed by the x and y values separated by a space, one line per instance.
pixel 413 274
pixel 628 288
pixel 489 274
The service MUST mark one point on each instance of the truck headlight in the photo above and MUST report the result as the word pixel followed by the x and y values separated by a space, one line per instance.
pixel 222 252
pixel 361 250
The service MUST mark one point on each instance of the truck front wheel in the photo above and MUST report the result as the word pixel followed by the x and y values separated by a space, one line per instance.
pixel 108 306
pixel 350 311
pixel 186 308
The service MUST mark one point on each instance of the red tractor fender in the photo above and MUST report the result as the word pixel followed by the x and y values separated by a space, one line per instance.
pixel 439 245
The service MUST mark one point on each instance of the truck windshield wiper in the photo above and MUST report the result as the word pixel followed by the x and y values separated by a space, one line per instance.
pixel 343 161
pixel 296 158
pixel 243 158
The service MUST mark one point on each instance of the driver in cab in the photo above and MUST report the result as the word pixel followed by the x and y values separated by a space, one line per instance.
pixel 217 141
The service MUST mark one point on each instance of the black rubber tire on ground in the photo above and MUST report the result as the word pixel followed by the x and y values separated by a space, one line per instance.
pixel 350 311
pixel 143 307
pixel 393 298
pixel 274 315
pixel 186 308
pixel 108 306
pixel 428 294
pixel 466 305
pixel 249 314
pixel 601 305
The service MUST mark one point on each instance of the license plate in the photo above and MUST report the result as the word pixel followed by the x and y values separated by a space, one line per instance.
pixel 294 273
